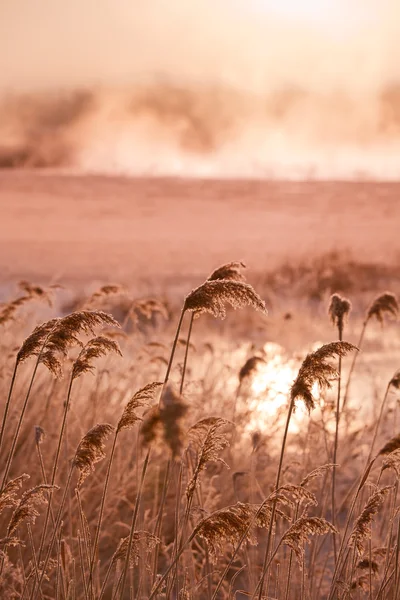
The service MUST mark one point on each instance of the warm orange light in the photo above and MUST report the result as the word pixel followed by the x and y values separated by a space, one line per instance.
pixel 309 10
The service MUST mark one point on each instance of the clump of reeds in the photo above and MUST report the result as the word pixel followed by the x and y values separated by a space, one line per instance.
pixel 164 525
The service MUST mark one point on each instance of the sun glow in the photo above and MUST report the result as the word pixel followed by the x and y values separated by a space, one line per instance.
pixel 269 388
pixel 317 11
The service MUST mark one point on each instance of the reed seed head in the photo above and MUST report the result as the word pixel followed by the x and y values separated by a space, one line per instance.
pixel 339 309
pixel 318 472
pixel 231 270
pixel 103 294
pixel 390 446
pixel 315 369
pixel 26 508
pixel 64 335
pixel 300 493
pixel 144 397
pixel 385 304
pixel 35 341
pixel 210 437
pixel 300 531
pixel 362 526
pixel 91 450
pixel 9 310
pixel 365 564
pixel 143 542
pixel 250 367
pixel 40 434
pixel 212 297
pixel 231 523
pixel 395 381
pixel 392 461
pixel 95 348
pixel 10 490
pixel 147 308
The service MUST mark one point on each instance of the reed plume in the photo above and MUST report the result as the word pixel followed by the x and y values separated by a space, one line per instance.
pixel 395 381
pixel 212 296
pixel 361 531
pixel 147 308
pixel 144 397
pixel 390 446
pixel 102 294
pixel 208 436
pixel 366 564
pixel 392 461
pixel 10 490
pixel 299 532
pixel 64 336
pixel 300 493
pixel 339 309
pixel 231 270
pixel 315 369
pixel 40 434
pixel 318 472
pixel 9 310
pixel 91 450
pixel 141 541
pixel 384 305
pixel 250 367
pixel 26 508
pixel 230 524
pixel 95 348
pixel 34 342
pixel 39 292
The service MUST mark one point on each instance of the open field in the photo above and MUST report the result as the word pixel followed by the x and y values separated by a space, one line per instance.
pixel 112 228
pixel 159 514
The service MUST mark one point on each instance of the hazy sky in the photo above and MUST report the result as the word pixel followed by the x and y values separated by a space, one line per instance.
pixel 317 43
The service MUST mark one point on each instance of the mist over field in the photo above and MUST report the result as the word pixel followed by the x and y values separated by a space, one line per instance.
pixel 201 88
